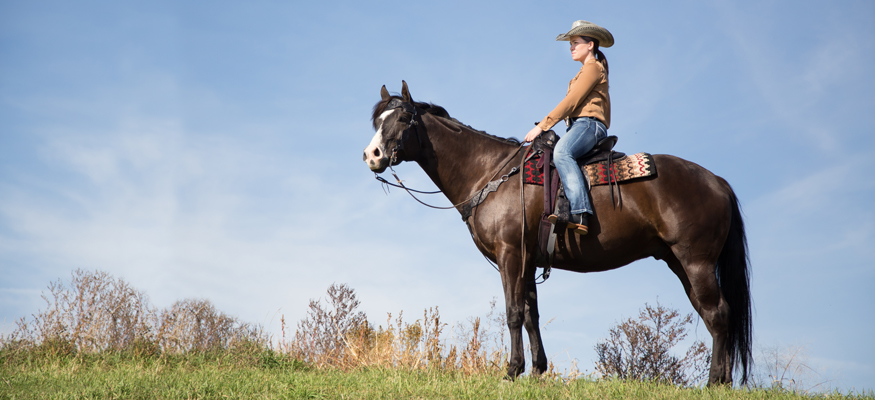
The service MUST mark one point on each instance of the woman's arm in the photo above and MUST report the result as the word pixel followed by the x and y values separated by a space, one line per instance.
pixel 586 79
pixel 533 134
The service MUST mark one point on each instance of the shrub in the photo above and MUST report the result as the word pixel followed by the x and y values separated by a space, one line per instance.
pixel 96 312
pixel 196 325
pixel 320 338
pixel 642 349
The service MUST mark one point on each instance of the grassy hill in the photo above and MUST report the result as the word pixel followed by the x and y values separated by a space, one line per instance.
pixel 269 375
pixel 99 338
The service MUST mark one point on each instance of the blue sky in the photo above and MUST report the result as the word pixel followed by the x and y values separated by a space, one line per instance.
pixel 213 150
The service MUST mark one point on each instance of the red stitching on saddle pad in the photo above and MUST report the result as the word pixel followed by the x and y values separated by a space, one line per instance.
pixel 531 173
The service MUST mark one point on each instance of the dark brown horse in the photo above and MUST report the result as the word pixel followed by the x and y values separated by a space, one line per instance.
pixel 685 215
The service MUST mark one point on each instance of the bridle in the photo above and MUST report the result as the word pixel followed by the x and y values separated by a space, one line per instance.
pixel 415 119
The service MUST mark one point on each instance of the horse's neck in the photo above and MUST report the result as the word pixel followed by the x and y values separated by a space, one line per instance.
pixel 462 161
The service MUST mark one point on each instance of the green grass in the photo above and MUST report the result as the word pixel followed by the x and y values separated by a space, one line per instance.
pixel 267 375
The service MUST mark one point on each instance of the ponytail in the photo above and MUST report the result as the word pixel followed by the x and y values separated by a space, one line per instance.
pixel 599 56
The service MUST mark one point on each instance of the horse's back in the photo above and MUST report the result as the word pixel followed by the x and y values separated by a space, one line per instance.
pixel 650 216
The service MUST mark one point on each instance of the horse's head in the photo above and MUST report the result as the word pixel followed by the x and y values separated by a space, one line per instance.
pixel 398 121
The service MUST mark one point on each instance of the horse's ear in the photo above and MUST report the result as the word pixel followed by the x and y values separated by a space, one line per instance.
pixel 405 93
pixel 384 93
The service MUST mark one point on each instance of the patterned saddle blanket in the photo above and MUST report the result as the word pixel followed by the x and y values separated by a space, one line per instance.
pixel 637 165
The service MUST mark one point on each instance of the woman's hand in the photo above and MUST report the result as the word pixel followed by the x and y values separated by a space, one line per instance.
pixel 533 134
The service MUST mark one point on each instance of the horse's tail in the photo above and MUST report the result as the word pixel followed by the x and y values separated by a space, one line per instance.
pixel 734 281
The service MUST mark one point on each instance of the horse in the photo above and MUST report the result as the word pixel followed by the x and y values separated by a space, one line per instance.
pixel 684 215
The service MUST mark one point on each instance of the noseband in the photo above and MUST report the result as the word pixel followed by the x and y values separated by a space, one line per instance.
pixel 412 125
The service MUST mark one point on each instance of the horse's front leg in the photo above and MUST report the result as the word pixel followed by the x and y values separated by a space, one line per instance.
pixel 512 280
pixel 539 357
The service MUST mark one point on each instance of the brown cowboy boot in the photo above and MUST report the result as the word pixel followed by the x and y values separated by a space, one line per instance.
pixel 578 222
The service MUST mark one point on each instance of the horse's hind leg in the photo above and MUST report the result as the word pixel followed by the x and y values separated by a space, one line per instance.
pixel 700 282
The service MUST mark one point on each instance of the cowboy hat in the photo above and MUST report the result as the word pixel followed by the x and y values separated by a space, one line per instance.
pixel 589 29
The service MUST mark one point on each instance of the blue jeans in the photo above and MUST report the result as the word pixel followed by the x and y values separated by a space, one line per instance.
pixel 580 137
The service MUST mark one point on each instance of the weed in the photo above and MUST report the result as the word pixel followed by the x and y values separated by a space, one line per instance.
pixel 787 369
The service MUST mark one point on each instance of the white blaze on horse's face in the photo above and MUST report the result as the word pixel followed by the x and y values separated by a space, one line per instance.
pixel 375 153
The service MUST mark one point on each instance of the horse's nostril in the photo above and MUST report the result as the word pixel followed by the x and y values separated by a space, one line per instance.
pixel 364 156
pixel 377 152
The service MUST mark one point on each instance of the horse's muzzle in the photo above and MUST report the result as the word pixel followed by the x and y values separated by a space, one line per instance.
pixel 376 159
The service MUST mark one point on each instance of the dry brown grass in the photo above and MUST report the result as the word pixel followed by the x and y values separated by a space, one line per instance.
pixel 96 313
pixel 335 335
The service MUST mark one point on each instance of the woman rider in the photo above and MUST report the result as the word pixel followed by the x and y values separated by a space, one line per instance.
pixel 586 110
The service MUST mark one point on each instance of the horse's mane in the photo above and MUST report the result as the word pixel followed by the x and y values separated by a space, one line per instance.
pixel 436 111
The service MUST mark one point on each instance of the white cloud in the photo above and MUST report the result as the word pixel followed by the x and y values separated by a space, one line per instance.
pixel 180 217
pixel 801 79
pixel 812 203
